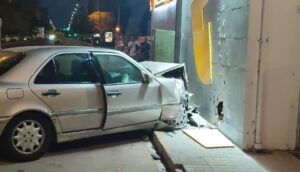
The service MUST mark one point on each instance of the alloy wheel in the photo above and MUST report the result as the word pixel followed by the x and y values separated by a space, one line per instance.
pixel 28 137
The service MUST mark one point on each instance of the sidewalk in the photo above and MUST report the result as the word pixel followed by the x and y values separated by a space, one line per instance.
pixel 181 152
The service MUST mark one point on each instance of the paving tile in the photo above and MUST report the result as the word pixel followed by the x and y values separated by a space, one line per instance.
pixel 195 158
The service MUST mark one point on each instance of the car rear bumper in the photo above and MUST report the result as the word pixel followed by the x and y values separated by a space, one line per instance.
pixel 3 122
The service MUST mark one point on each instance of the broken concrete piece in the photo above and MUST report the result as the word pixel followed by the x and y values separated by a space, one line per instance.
pixel 197 121
pixel 145 138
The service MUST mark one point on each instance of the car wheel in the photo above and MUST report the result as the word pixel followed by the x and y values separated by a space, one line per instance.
pixel 181 119
pixel 26 138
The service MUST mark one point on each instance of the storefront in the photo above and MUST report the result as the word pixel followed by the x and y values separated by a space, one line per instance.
pixel 219 77
pixel 233 61
pixel 163 27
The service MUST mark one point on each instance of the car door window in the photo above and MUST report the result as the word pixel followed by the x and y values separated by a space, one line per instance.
pixel 118 70
pixel 47 74
pixel 67 69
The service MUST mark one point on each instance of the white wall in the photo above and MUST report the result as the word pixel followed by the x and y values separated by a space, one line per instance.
pixel 280 73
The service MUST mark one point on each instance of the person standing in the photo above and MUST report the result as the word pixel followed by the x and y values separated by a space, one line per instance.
pixel 135 49
pixel 130 45
pixel 145 48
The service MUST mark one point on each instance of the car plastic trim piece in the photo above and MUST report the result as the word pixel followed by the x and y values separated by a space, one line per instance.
pixel 79 112
pixel 135 109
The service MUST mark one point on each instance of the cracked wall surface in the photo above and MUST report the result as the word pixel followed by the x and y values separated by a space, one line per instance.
pixel 229 47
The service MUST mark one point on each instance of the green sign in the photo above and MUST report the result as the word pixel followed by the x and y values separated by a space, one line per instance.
pixel 164 48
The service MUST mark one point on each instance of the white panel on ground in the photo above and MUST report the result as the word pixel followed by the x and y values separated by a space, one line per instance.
pixel 208 138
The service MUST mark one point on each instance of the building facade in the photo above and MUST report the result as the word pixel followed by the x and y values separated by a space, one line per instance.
pixel 248 63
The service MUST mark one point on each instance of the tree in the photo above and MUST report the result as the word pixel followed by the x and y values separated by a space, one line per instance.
pixel 102 21
pixel 13 22
pixel 20 17
pixel 82 25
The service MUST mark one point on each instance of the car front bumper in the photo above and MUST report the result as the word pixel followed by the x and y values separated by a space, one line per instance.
pixel 3 122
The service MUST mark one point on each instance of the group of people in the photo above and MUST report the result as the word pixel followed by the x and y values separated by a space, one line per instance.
pixel 140 51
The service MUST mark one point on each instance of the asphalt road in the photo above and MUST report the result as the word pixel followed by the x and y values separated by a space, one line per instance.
pixel 41 42
pixel 126 152
pixel 27 43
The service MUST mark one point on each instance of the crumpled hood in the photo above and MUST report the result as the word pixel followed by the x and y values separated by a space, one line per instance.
pixel 158 68
pixel 167 70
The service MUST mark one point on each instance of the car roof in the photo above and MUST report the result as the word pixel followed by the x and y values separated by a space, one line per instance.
pixel 57 48
pixel 43 52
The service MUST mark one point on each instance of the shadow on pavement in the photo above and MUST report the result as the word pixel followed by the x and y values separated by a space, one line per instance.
pixel 92 144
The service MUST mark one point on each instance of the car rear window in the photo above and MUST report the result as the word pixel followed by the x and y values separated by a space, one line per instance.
pixel 8 60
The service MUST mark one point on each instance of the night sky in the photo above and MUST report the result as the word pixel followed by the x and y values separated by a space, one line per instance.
pixel 59 11
pixel 133 14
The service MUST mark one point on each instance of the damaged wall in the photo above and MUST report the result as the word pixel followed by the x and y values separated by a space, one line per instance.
pixel 229 47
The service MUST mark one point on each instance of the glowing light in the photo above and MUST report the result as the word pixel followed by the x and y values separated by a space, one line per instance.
pixel 97 35
pixel 109 37
pixel 202 42
pixel 52 37
pixel 165 6
pixel 118 29
pixel 158 3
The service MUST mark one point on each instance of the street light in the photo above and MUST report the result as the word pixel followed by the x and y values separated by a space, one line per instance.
pixel 118 29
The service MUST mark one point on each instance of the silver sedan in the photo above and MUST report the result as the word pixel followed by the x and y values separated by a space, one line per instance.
pixel 51 95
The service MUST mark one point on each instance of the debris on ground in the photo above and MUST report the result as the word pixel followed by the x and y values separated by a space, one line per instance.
pixel 155 156
pixel 171 134
pixel 193 119
pixel 162 126
pixel 146 138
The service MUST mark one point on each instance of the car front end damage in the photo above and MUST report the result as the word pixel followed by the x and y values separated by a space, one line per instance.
pixel 175 98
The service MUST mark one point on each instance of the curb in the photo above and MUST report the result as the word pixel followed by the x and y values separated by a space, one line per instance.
pixel 167 160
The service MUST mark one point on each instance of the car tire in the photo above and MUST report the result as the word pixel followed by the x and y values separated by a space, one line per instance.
pixel 26 138
pixel 181 119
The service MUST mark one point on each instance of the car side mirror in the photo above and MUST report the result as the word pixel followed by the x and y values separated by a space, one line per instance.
pixel 147 78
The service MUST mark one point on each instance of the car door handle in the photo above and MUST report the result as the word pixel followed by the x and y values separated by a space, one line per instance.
pixel 114 93
pixel 51 93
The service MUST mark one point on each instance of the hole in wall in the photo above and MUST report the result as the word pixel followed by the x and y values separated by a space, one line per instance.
pixel 220 111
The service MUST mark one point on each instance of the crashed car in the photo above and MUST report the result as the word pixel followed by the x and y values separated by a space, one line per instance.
pixel 57 94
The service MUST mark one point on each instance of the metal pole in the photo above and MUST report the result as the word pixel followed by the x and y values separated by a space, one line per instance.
pixel 0 31
pixel 178 30
pixel 119 14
